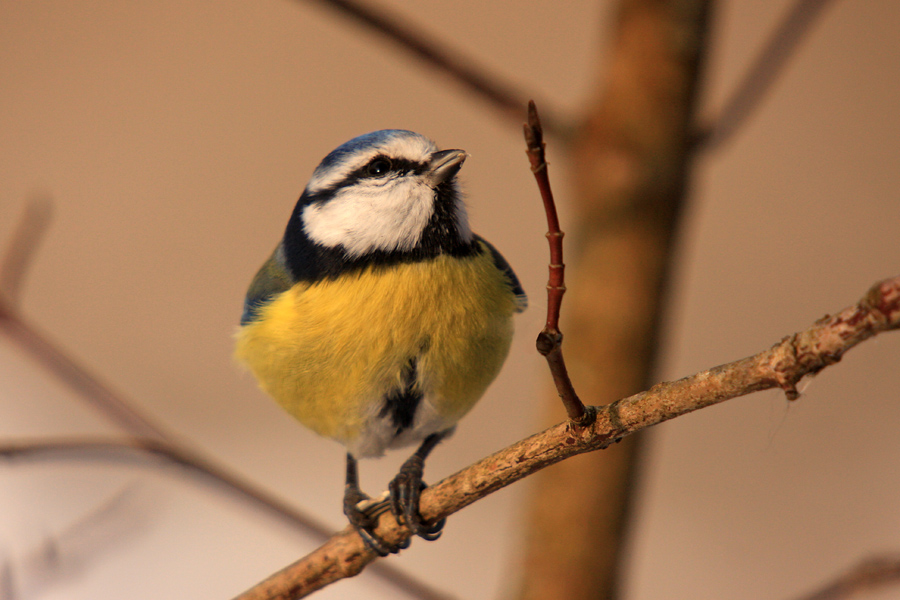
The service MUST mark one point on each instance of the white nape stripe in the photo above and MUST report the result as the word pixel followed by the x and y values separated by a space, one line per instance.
pixel 412 147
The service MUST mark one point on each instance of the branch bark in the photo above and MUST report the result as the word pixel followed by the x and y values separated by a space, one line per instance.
pixel 783 366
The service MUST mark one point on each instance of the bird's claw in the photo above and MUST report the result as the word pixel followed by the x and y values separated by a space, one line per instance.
pixel 405 490
pixel 363 513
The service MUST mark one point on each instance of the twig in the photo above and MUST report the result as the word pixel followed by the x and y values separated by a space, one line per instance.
pixel 501 95
pixel 139 450
pixel 549 340
pixel 90 387
pixel 783 365
pixel 26 237
pixel 873 573
pixel 765 70
pixel 62 556
pixel 16 259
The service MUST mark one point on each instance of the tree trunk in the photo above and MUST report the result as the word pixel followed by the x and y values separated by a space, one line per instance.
pixel 631 158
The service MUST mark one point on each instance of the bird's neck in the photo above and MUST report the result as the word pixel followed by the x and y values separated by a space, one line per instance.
pixel 309 261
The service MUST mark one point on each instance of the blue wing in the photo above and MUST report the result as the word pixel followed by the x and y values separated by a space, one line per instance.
pixel 500 263
pixel 272 279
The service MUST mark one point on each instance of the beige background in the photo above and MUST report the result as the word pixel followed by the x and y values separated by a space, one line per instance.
pixel 174 139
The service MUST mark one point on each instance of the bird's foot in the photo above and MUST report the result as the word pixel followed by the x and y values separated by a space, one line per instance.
pixel 363 513
pixel 405 490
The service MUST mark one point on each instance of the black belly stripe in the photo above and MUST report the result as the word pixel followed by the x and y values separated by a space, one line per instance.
pixel 400 405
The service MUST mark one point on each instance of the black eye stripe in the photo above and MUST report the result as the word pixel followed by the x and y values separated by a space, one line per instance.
pixel 399 167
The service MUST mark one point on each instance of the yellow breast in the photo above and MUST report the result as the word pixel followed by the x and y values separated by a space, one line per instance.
pixel 329 352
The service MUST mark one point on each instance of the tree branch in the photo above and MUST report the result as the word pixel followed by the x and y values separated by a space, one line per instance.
pixel 761 76
pixel 871 574
pixel 783 365
pixel 102 397
pixel 502 96
pixel 21 249
pixel 147 437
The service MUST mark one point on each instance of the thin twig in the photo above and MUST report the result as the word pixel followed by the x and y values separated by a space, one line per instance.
pixel 783 365
pixel 139 450
pixel 871 574
pixel 536 150
pixel 16 259
pixel 21 249
pixel 503 96
pixel 549 340
pixel 99 395
pixel 63 556
pixel 759 79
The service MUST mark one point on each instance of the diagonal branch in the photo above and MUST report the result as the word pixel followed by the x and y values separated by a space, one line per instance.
pixel 783 366
pixel 149 451
pixel 761 76
pixel 99 395
pixel 869 575
pixel 503 96
pixel 148 438
pixel 26 237
pixel 14 264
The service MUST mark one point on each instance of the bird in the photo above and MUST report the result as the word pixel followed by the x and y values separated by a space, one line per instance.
pixel 380 318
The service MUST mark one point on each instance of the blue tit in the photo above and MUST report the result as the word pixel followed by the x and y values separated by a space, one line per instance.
pixel 380 319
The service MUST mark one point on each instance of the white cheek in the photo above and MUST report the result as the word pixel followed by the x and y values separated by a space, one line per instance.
pixel 388 217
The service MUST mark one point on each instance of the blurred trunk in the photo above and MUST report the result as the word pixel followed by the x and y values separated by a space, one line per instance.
pixel 631 158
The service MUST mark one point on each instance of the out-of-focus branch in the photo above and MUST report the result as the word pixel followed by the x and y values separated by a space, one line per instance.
pixel 77 377
pixel 148 438
pixel 64 554
pixel 21 249
pixel 502 96
pixel 15 261
pixel 761 76
pixel 871 574
pixel 151 451
pixel 783 365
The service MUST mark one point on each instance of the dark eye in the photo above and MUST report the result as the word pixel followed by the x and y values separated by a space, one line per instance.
pixel 378 167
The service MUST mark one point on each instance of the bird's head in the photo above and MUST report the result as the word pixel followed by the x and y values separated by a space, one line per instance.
pixel 382 197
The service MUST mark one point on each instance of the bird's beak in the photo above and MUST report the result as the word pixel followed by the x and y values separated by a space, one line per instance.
pixel 444 165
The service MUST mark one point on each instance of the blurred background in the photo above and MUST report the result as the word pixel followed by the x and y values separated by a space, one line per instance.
pixel 173 140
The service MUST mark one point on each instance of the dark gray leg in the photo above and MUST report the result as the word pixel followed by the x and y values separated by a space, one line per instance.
pixel 364 521
pixel 408 485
